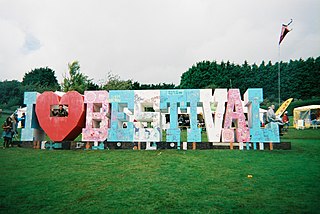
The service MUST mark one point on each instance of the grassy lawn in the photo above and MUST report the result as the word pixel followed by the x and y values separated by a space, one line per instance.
pixel 167 181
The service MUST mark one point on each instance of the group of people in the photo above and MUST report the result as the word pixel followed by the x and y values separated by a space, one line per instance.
pixel 283 122
pixel 10 128
pixel 315 118
pixel 182 121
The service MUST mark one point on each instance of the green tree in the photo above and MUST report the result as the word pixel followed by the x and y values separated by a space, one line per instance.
pixel 40 79
pixel 199 76
pixel 154 86
pixel 11 94
pixel 74 80
pixel 114 82
pixel 298 78
pixel 93 86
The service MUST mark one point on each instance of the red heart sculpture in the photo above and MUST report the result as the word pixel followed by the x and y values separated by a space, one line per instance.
pixel 61 128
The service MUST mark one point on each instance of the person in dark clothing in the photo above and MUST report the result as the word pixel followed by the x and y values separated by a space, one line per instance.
pixel 61 112
pixel 286 121
pixel 23 120
pixel 7 132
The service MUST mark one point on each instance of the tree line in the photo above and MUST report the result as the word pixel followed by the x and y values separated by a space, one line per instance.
pixel 299 80
pixel 44 79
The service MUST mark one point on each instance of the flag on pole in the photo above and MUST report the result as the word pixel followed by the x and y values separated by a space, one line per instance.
pixel 284 31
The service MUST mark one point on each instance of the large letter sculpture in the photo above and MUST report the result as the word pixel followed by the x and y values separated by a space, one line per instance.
pixel 181 98
pixel 119 101
pixel 219 99
pixel 234 113
pixel 142 100
pixel 97 121
pixel 193 100
pixel 135 116
pixel 32 131
pixel 61 128
pixel 252 98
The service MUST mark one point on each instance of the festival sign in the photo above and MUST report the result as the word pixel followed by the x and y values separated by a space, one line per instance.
pixel 141 116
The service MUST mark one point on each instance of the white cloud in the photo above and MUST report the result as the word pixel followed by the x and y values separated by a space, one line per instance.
pixel 150 41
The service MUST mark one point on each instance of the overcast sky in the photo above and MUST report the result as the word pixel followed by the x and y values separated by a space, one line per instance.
pixel 150 41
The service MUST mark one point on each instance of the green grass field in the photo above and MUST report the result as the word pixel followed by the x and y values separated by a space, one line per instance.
pixel 166 181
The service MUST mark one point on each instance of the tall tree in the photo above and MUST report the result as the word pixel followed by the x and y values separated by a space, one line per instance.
pixel 298 77
pixel 74 80
pixel 198 76
pixel 114 82
pixel 153 86
pixel 40 79
pixel 11 94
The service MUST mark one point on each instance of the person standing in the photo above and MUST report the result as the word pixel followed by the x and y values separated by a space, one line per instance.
pixel 23 120
pixel 15 121
pixel 286 121
pixel 7 132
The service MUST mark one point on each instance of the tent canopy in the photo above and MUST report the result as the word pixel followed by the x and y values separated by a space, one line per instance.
pixel 304 113
pixel 307 108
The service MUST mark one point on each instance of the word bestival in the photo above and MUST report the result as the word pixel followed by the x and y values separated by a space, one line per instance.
pixel 121 115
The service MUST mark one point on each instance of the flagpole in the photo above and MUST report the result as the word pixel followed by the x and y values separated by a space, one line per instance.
pixel 284 31
pixel 279 74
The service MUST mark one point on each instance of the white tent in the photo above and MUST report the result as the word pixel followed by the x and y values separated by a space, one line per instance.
pixel 304 114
